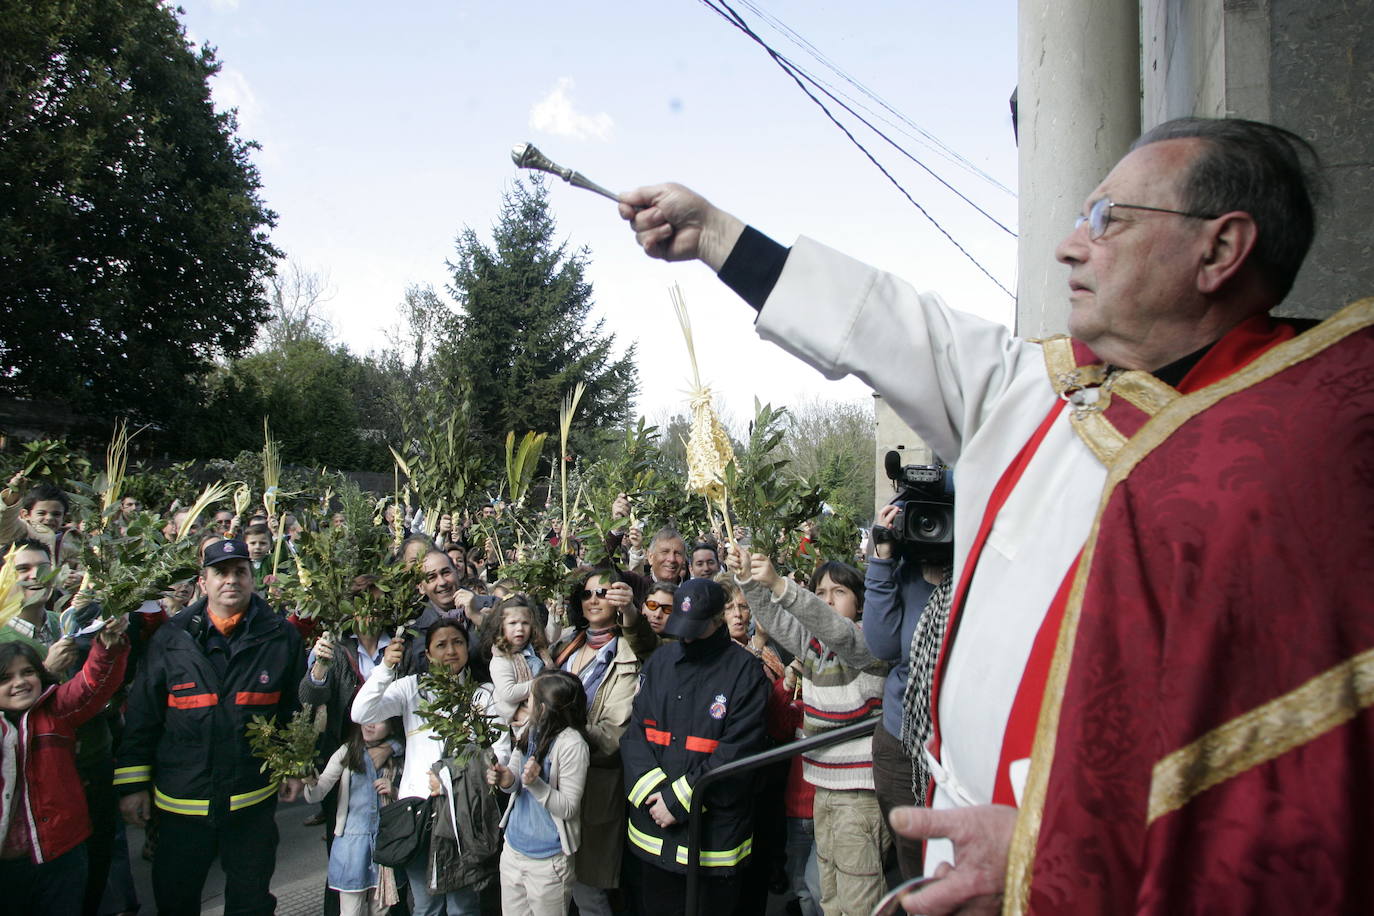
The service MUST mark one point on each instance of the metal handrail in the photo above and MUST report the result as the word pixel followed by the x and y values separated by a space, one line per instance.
pixel 744 764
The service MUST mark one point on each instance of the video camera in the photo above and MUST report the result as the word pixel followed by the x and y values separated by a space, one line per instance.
pixel 925 509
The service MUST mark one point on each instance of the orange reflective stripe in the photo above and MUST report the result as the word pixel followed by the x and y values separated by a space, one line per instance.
pixel 193 701
pixel 705 745
pixel 248 698
pixel 654 736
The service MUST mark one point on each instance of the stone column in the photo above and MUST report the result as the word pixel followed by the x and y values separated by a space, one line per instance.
pixel 893 434
pixel 1079 109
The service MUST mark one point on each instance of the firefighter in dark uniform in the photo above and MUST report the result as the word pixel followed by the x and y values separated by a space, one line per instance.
pixel 207 672
pixel 700 705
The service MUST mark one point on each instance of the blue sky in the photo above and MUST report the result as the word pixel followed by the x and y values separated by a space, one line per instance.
pixel 386 129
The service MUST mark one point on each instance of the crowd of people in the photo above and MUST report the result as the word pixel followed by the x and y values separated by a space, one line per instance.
pixel 582 801
pixel 1132 686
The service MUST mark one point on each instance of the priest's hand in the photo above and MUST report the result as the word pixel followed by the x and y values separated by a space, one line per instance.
pixel 676 224
pixel 982 840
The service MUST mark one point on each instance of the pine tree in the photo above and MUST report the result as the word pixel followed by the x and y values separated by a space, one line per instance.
pixel 524 336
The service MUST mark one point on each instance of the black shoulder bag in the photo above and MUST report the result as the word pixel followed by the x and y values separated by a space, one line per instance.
pixel 402 832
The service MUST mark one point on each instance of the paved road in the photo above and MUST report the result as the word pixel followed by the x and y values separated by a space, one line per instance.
pixel 298 882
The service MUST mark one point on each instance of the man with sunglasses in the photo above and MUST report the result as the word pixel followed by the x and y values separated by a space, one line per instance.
pixel 1158 519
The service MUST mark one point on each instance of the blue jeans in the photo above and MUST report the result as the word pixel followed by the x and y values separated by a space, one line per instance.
pixel 803 874
pixel 462 902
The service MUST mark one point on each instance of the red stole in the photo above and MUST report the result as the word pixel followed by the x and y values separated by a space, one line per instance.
pixel 1206 738
pixel 1125 415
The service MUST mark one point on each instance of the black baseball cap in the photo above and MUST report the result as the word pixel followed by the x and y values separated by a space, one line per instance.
pixel 227 549
pixel 695 604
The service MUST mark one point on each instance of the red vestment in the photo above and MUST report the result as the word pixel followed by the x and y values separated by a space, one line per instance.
pixel 1206 740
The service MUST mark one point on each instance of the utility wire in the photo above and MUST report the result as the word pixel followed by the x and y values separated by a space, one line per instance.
pixel 922 136
pixel 738 22
pixel 955 191
pixel 791 70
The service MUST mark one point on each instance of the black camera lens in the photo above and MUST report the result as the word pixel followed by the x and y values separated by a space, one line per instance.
pixel 932 527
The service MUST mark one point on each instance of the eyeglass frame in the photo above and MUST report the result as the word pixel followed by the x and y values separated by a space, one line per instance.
pixel 1106 205
pixel 653 605
pixel 588 594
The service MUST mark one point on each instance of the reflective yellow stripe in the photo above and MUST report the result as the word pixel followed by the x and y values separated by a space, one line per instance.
pixel 249 799
pixel 124 776
pixel 645 786
pixel 199 807
pixel 683 790
pixel 650 844
pixel 710 859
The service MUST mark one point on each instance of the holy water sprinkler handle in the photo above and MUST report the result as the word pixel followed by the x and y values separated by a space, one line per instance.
pixel 526 156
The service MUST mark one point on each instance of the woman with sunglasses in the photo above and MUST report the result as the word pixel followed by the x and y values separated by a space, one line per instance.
pixel 606 649
pixel 659 605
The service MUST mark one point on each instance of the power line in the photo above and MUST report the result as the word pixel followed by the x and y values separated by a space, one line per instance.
pixel 793 69
pixel 922 136
pixel 796 74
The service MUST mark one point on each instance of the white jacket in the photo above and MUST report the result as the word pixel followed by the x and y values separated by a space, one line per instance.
pixel 975 394
pixel 508 687
pixel 382 696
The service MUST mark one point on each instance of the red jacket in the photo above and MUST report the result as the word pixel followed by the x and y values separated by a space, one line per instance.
pixel 54 804
pixel 784 721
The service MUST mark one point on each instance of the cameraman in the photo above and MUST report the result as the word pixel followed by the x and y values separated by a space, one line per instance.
pixel 899 586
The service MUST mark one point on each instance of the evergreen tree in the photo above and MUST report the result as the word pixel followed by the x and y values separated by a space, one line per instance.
pixel 524 337
pixel 133 240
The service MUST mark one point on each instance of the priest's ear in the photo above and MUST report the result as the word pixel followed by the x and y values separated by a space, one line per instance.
pixel 1228 243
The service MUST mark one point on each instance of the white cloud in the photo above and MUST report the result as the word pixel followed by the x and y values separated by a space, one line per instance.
pixel 231 89
pixel 554 114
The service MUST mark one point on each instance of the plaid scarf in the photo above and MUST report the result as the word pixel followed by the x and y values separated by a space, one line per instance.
pixel 926 640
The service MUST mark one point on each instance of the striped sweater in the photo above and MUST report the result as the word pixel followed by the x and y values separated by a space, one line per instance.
pixel 842 682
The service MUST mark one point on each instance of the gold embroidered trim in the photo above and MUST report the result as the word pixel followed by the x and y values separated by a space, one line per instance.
pixel 1147 393
pixel 1140 389
pixel 1262 734
pixel 1098 434
pixel 1059 361
pixel 1064 371
pixel 1021 860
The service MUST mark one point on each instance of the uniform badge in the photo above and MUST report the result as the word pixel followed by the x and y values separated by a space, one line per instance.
pixel 717 710
pixel 687 604
pixel 263 677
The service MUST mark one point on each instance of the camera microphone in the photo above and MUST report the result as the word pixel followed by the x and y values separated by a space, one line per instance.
pixel 892 464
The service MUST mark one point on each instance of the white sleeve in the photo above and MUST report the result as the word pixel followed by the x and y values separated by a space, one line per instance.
pixel 941 370
pixel 332 771
pixel 382 697
pixel 485 699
